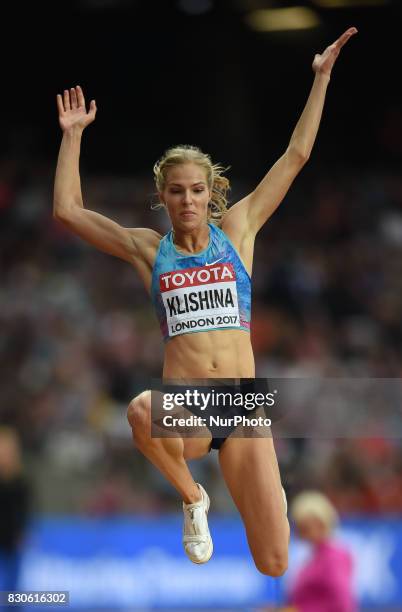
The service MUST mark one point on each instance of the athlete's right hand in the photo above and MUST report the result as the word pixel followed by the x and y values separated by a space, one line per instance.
pixel 72 110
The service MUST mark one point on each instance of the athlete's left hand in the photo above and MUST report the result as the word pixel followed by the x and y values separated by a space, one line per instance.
pixel 323 63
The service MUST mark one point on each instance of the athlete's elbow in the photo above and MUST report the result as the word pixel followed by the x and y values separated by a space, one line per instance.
pixel 63 210
pixel 298 155
pixel 59 213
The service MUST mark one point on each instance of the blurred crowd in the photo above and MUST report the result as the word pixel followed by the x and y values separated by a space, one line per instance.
pixel 79 339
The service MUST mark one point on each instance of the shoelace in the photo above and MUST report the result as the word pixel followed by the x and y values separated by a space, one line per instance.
pixel 199 538
pixel 192 519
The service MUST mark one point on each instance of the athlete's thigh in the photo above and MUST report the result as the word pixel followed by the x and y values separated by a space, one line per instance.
pixel 196 437
pixel 195 448
pixel 251 472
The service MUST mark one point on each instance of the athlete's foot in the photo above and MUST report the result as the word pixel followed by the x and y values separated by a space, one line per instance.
pixel 196 537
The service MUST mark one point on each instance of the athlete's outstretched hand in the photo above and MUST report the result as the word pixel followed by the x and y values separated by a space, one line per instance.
pixel 72 110
pixel 324 63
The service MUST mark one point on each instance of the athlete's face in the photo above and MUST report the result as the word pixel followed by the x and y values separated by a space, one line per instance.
pixel 186 196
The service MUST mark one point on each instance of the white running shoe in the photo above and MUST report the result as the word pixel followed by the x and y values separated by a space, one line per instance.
pixel 196 537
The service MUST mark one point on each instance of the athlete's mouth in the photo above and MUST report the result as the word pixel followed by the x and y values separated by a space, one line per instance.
pixel 187 214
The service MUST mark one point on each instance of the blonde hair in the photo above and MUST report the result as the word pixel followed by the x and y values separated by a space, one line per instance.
pixel 314 503
pixel 218 184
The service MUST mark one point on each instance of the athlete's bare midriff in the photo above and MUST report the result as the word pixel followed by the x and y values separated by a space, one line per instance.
pixel 222 353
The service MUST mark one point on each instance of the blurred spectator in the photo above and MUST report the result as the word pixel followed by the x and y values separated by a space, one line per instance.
pixel 14 508
pixel 324 582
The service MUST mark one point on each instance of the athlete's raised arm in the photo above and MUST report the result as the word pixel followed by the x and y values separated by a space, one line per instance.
pixel 68 206
pixel 255 209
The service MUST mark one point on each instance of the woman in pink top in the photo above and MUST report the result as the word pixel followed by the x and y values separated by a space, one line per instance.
pixel 324 582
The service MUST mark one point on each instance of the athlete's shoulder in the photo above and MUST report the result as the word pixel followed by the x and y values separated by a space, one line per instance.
pixel 145 235
pixel 217 230
pixel 146 243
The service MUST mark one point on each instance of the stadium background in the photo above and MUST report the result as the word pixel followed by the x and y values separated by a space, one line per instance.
pixel 78 338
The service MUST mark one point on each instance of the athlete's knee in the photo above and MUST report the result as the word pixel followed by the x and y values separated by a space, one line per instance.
pixel 138 412
pixel 273 564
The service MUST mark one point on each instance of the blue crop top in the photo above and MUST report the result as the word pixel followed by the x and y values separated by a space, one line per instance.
pixel 201 292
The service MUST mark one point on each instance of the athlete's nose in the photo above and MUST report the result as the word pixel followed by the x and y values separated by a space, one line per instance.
pixel 187 199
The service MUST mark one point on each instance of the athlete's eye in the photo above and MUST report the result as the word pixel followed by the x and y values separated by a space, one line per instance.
pixel 198 190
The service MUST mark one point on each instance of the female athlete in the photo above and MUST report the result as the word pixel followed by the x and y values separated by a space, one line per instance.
pixel 204 236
